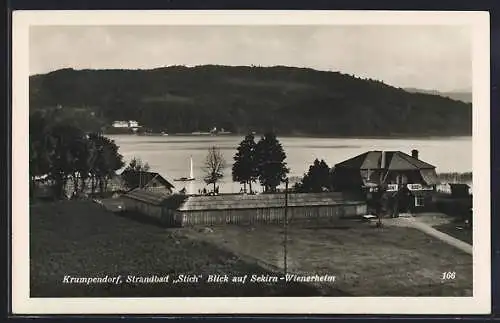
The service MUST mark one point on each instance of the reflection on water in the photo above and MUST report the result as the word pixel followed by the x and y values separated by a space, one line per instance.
pixel 169 155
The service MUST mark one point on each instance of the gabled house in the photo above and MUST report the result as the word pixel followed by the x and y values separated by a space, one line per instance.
pixel 392 169
pixel 145 180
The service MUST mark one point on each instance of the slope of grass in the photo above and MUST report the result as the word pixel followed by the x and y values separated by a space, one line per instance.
pixel 367 261
pixel 82 239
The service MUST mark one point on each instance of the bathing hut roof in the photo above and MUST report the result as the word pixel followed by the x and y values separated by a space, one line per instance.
pixel 156 198
pixel 240 201
pixel 146 177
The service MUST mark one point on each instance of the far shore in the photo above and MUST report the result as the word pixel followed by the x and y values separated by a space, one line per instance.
pixel 389 137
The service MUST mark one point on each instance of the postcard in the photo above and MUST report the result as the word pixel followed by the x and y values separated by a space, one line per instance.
pixel 251 162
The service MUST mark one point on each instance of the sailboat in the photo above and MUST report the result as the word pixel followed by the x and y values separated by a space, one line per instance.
pixel 191 174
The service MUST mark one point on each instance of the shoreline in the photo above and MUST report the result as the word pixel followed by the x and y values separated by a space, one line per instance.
pixel 257 135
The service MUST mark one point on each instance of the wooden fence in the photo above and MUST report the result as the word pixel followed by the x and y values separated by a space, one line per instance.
pixel 267 215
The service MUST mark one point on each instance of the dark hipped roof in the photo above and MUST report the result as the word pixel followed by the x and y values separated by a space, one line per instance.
pixel 147 177
pixel 239 201
pixel 395 160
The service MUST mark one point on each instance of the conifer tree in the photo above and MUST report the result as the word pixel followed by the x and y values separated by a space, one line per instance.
pixel 317 179
pixel 244 168
pixel 270 161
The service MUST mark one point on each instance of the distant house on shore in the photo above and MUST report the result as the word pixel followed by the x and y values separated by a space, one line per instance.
pixel 189 210
pixel 130 125
pixel 147 180
pixel 125 124
pixel 393 169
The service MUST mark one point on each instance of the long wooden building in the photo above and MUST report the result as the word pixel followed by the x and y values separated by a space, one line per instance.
pixel 178 210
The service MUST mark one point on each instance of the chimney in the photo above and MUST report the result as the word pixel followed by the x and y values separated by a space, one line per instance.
pixel 414 153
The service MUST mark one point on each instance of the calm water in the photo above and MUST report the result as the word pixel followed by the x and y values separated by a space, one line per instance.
pixel 169 155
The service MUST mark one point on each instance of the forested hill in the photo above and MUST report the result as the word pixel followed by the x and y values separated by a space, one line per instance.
pixel 290 101
pixel 464 96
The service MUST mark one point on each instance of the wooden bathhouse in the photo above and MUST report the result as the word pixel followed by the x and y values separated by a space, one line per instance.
pixel 240 208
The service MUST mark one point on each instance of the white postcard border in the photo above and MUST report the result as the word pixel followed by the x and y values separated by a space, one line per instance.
pixel 480 303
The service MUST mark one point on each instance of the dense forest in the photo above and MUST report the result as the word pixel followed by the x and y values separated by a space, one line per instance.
pixel 286 100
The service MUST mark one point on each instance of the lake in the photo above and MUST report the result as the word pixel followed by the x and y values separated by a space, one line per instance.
pixel 170 155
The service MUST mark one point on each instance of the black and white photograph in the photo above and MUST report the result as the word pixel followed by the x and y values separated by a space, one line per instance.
pixel 251 162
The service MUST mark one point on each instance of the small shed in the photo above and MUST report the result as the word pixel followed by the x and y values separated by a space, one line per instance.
pixel 460 190
pixel 456 190
pixel 153 204
pixel 264 208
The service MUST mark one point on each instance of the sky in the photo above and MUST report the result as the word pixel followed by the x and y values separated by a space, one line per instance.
pixel 424 57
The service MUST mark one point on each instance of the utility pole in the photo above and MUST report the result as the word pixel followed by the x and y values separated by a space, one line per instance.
pixel 286 227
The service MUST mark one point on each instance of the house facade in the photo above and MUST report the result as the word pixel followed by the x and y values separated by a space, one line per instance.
pixel 392 170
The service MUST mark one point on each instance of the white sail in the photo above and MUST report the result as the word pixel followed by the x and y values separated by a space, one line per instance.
pixel 191 174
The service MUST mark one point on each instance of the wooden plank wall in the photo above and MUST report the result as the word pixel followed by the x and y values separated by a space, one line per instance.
pixel 150 210
pixel 244 216
pixel 266 215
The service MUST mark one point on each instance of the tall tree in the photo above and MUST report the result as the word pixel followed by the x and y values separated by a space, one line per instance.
pixel 66 154
pixel 62 139
pixel 317 179
pixel 106 161
pixel 80 153
pixel 270 159
pixel 136 164
pixel 214 166
pixel 38 140
pixel 129 176
pixel 245 167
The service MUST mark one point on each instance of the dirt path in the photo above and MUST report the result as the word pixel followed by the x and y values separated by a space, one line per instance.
pixel 413 222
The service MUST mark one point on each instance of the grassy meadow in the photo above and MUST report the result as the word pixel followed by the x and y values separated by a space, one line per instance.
pixel 82 239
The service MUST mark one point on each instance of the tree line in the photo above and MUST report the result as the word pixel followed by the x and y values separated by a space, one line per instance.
pixel 62 153
pixel 66 156
pixel 264 161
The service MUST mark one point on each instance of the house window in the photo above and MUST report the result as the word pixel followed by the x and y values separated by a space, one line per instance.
pixel 419 201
